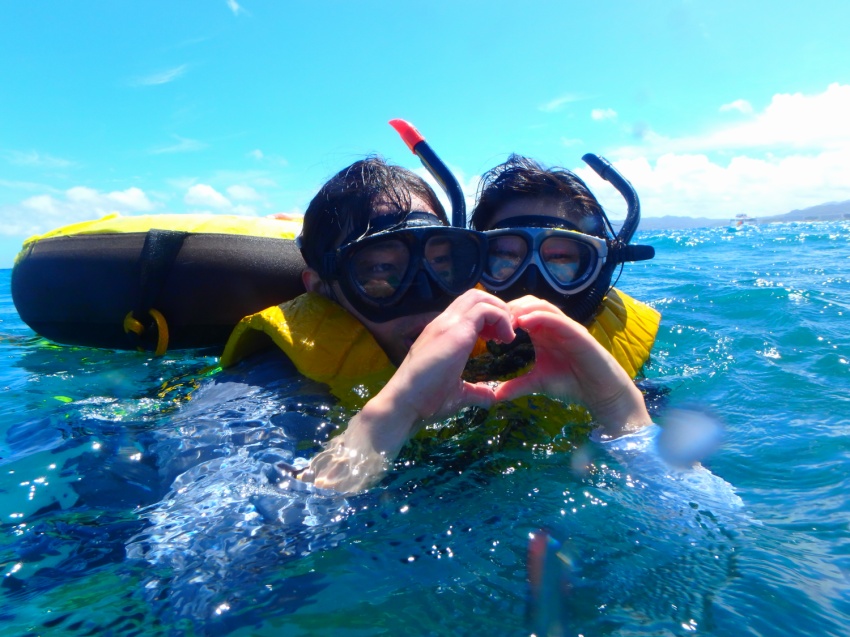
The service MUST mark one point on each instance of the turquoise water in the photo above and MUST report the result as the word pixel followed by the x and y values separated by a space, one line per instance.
pixel 137 495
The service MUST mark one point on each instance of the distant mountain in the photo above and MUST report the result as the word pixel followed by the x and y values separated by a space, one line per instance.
pixel 823 212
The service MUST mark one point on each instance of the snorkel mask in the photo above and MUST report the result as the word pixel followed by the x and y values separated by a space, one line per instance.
pixel 408 266
pixel 412 263
pixel 551 259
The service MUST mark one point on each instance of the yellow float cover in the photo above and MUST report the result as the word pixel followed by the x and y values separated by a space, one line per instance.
pixel 268 227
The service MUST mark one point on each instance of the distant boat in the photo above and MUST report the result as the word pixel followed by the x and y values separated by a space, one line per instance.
pixel 742 222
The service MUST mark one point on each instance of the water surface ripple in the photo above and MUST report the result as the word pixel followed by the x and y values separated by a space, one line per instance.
pixel 141 495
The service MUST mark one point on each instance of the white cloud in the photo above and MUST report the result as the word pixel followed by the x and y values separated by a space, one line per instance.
pixel 183 145
pixel 40 213
pixel 558 102
pixel 245 211
pixel 235 7
pixel 204 196
pixel 36 160
pixel 243 193
pixel 214 196
pixel 696 186
pixel 742 106
pixel 162 77
pixel 791 122
pixel 599 114
pixel 793 154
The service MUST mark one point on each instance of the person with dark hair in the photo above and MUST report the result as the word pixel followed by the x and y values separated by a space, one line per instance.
pixel 353 260
pixel 346 203
pixel 382 264
pixel 549 237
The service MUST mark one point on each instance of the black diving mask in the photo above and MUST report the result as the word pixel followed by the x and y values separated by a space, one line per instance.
pixel 409 267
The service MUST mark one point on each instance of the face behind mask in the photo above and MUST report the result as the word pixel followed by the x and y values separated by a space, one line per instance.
pixel 410 267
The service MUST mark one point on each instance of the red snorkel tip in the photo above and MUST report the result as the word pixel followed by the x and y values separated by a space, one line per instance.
pixel 408 133
pixel 434 165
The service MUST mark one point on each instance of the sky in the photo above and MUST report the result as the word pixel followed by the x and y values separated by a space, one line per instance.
pixel 710 108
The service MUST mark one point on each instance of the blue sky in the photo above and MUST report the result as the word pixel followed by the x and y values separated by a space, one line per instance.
pixel 241 106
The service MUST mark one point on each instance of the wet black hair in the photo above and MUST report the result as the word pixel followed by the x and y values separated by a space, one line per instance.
pixel 520 178
pixel 345 203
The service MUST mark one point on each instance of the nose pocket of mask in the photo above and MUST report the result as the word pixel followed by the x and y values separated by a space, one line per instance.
pixel 531 276
pixel 423 286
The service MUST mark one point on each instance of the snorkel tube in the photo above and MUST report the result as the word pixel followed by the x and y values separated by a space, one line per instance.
pixel 621 248
pixel 584 305
pixel 417 144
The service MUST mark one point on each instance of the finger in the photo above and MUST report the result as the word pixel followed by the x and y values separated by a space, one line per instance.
pixel 520 386
pixel 526 304
pixel 471 304
pixel 478 395
pixel 540 322
pixel 474 297
pixel 492 319
pixel 498 328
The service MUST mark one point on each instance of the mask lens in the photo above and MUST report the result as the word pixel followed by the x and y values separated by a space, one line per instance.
pixel 506 253
pixel 453 259
pixel 566 260
pixel 379 268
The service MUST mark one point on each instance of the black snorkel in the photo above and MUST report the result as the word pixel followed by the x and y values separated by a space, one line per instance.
pixel 621 249
pixel 417 144
pixel 583 306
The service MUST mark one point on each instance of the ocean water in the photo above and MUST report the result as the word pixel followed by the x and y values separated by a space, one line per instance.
pixel 138 495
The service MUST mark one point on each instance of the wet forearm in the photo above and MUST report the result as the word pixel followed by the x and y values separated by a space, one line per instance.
pixel 623 413
pixel 360 456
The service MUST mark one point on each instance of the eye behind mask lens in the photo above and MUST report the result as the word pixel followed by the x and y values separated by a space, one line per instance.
pixel 383 270
pixel 379 268
pixel 566 260
pixel 506 254
pixel 453 261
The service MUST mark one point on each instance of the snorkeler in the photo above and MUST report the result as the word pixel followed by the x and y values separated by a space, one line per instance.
pixel 549 237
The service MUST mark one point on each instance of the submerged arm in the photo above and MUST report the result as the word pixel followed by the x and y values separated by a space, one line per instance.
pixel 426 387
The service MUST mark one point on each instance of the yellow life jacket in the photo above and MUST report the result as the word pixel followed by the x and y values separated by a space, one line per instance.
pixel 329 345
pixel 323 341
pixel 626 328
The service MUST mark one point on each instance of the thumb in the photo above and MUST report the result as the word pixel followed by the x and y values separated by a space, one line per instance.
pixel 520 386
pixel 478 395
